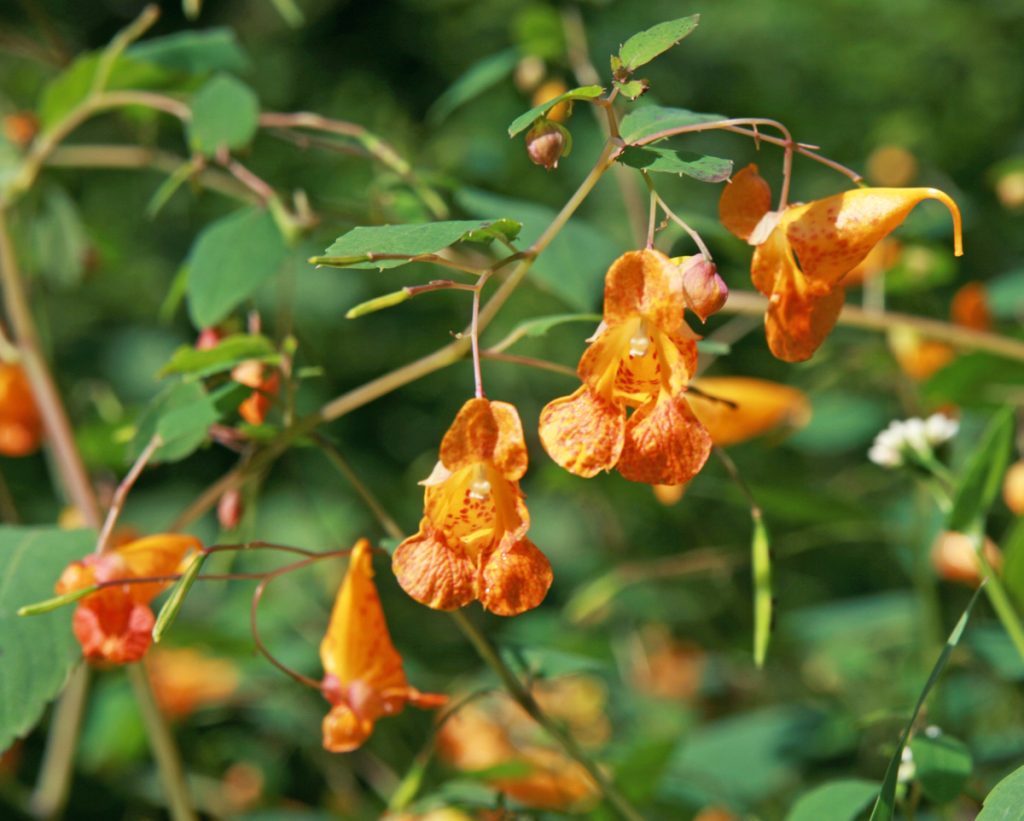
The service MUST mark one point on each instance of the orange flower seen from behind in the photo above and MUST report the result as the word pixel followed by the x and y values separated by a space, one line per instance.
pixel 804 252
pixel 472 540
pixel 115 623
pixel 184 679
pixel 21 426
pixel 734 409
pixel 363 675
pixel 641 358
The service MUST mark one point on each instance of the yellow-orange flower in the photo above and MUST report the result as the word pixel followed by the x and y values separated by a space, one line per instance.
pixel 472 540
pixel 804 252
pixel 642 357
pixel 184 679
pixel 364 679
pixel 265 384
pixel 734 409
pixel 21 426
pixel 115 623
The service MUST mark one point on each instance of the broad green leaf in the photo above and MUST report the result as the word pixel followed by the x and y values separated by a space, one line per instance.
pixel 230 351
pixel 181 414
pixel 573 265
pixel 632 89
pixel 524 121
pixel 975 380
pixel 59 242
pixel 665 160
pixel 1006 799
pixel 984 475
pixel 225 113
pixel 942 764
pixel 477 79
pixel 37 652
pixel 886 801
pixel 837 801
pixel 229 260
pixel 761 565
pixel 643 47
pixel 69 88
pixel 359 247
pixel 193 52
pixel 540 325
pixel 644 123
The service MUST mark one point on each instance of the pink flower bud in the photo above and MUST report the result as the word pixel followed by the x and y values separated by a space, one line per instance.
pixel 208 338
pixel 229 509
pixel 546 144
pixel 705 291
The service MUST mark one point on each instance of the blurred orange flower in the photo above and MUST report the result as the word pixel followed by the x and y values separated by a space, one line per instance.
pixel 364 679
pixel 737 408
pixel 21 426
pixel 185 679
pixel 265 383
pixel 115 623
pixel 641 357
pixel 804 252
pixel 472 540
pixel 955 559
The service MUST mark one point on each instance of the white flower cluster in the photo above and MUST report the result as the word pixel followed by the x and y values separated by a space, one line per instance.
pixel 909 437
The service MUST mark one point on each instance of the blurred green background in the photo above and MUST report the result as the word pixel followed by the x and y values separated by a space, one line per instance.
pixel 860 615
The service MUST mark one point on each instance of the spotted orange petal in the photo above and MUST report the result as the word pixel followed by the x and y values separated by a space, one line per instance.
pixel 515 577
pixel 642 284
pixel 486 431
pixel 357 645
pixel 434 572
pixel 797 323
pixel 744 201
pixel 157 555
pixel 738 408
pixel 344 731
pixel 832 235
pixel 584 433
pixel 111 626
pixel 665 443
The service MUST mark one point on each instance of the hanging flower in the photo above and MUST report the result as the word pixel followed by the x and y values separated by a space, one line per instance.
pixel 21 426
pixel 265 383
pixel 804 252
pixel 364 679
pixel 472 540
pixel 115 623
pixel 641 358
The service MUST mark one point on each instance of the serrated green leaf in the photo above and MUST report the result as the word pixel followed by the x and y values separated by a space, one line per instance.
pixel 886 802
pixel 1005 800
pixel 227 353
pixel 193 52
pixel 666 161
pixel 644 46
pixel 38 652
pixel 837 801
pixel 477 79
pixel 942 765
pixel 574 264
pixel 632 89
pixel 225 113
pixel 984 475
pixel 181 414
pixel 644 123
pixel 358 247
pixel 524 121
pixel 229 260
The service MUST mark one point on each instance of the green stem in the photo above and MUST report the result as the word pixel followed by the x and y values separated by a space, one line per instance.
pixel 51 790
pixel 997 595
pixel 161 741
pixel 524 698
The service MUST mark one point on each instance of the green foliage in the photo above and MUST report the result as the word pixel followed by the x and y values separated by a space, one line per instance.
pixel 643 47
pixel 193 363
pixel 359 247
pixel 1005 800
pixel 666 161
pixel 837 801
pixel 643 123
pixel 225 114
pixel 942 765
pixel 180 415
pixel 984 475
pixel 194 52
pixel 38 651
pixel 230 259
pixel 477 79
pixel 524 121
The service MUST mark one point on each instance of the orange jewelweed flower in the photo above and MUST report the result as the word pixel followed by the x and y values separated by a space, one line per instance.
pixel 363 679
pixel 734 409
pixel 265 384
pixel 184 679
pixel 115 623
pixel 21 426
pixel 472 540
pixel 804 252
pixel 641 357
